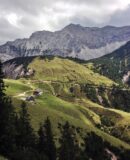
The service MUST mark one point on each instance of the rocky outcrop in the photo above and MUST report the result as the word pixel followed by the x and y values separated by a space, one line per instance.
pixel 11 70
pixel 72 41
pixel 126 78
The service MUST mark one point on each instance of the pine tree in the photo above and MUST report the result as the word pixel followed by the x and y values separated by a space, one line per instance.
pixel 7 119
pixel 69 148
pixel 25 134
pixel 2 85
pixel 94 147
pixel 46 144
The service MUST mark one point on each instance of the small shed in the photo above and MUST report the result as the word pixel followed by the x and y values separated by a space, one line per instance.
pixel 37 92
pixel 30 98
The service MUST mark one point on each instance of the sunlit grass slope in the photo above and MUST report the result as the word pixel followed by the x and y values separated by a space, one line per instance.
pixel 61 111
pixel 65 70
pixel 120 119
pixel 15 87
pixel 54 76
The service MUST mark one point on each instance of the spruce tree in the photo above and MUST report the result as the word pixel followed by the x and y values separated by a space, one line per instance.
pixel 25 133
pixel 46 144
pixel 69 148
pixel 2 85
pixel 94 147
pixel 7 120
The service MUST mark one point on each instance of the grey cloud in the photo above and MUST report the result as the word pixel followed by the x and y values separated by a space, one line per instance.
pixel 120 18
pixel 35 15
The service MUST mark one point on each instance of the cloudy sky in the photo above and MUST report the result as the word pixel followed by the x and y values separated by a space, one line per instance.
pixel 19 18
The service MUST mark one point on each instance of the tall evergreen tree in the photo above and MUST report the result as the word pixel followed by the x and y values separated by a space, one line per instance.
pixel 7 119
pixel 25 133
pixel 94 147
pixel 2 85
pixel 69 148
pixel 46 144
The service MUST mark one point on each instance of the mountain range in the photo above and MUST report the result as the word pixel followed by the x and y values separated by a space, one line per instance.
pixel 72 41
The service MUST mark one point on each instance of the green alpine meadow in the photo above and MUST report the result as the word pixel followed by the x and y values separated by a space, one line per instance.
pixel 69 95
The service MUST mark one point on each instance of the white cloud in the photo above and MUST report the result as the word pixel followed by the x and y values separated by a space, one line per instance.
pixel 13 19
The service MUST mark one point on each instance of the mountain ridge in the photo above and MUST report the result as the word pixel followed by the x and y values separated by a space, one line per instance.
pixel 72 41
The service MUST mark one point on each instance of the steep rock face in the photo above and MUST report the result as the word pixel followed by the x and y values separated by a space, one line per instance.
pixel 72 41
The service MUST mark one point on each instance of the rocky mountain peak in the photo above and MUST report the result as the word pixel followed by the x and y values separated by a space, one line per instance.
pixel 73 40
pixel 72 26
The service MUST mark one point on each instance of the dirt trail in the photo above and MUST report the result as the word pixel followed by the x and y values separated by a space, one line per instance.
pixel 32 88
pixel 23 94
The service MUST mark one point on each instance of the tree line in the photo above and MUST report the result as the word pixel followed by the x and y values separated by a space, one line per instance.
pixel 18 140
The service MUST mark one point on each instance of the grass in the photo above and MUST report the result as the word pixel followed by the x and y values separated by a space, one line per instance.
pixel 2 158
pixel 15 87
pixel 48 105
pixel 55 76
pixel 61 111
pixel 64 70
pixel 123 118
pixel 120 118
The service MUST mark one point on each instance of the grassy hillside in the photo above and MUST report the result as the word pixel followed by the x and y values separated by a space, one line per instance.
pixel 64 70
pixel 55 69
pixel 72 92
pixel 16 87
pixel 113 121
pixel 59 110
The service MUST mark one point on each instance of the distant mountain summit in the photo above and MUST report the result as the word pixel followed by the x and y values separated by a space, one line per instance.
pixel 72 41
